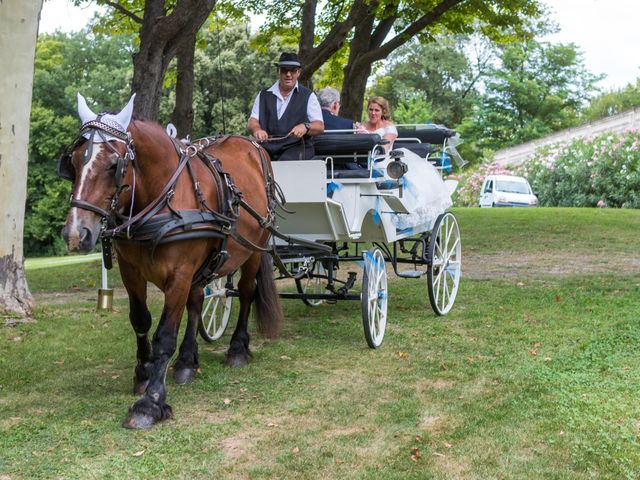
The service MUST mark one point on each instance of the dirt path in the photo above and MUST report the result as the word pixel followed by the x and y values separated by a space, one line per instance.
pixel 474 266
pixel 487 266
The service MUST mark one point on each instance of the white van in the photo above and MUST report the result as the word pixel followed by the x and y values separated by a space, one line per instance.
pixel 506 191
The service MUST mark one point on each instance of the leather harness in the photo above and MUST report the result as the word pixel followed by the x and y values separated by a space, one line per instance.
pixel 150 228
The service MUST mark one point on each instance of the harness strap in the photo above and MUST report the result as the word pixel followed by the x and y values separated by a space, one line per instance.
pixel 88 206
pixel 151 209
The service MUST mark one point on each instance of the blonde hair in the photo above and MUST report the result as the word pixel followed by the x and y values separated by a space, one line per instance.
pixel 384 106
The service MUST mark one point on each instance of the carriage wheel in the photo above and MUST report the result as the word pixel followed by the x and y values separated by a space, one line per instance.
pixel 445 267
pixel 216 310
pixel 313 283
pixel 374 297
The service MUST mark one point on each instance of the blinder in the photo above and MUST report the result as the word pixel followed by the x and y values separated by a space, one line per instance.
pixel 65 165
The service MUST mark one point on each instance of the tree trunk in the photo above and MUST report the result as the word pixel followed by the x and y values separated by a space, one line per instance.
pixel 182 116
pixel 354 87
pixel 313 58
pixel 18 35
pixel 160 37
pixel 356 73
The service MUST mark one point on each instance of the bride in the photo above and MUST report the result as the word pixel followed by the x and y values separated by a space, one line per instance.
pixel 379 121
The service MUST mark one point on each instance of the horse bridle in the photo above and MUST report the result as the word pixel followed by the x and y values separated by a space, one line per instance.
pixel 100 128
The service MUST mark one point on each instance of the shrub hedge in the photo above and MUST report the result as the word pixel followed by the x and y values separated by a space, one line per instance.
pixel 590 172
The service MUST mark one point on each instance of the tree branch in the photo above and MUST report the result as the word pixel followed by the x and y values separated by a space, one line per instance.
pixel 382 30
pixel 413 29
pixel 336 36
pixel 124 11
pixel 307 28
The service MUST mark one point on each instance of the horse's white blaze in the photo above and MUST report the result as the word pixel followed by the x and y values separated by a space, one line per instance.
pixel 75 221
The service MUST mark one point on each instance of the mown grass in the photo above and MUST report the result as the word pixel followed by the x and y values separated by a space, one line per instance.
pixel 528 377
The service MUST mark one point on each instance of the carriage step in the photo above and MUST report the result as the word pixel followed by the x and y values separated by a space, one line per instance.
pixel 410 273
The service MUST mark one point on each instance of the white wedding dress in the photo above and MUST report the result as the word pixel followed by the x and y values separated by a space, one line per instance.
pixel 425 194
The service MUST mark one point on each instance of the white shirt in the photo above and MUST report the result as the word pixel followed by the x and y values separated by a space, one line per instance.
pixel 314 112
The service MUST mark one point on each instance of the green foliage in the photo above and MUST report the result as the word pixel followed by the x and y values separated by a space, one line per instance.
pixel 613 102
pixel 414 109
pixel 229 74
pixel 585 173
pixel 538 88
pixel 433 80
pixel 331 74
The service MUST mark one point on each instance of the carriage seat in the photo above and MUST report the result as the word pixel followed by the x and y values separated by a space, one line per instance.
pixel 350 152
pixel 420 149
pixel 434 134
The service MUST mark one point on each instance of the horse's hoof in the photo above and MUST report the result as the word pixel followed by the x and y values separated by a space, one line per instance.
pixel 140 387
pixel 145 414
pixel 237 360
pixel 138 421
pixel 184 375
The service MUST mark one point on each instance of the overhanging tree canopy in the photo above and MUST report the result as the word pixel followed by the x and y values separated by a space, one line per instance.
pixel 373 29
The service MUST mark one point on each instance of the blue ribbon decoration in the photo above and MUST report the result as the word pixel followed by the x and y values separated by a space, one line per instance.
pixel 376 212
pixel 332 187
pixel 446 162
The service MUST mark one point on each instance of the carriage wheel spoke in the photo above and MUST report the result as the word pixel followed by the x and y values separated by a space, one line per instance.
pixel 374 298
pixel 444 269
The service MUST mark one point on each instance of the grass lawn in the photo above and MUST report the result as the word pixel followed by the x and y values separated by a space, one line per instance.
pixel 535 373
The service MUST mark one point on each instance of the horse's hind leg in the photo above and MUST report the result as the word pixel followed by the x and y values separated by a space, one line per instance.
pixel 140 319
pixel 186 366
pixel 239 354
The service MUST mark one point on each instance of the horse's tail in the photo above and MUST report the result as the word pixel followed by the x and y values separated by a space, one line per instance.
pixel 268 309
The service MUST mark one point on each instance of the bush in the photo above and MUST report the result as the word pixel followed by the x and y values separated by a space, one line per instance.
pixel 587 172
pixel 600 171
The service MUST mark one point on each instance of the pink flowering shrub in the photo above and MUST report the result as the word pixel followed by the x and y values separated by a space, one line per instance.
pixel 588 172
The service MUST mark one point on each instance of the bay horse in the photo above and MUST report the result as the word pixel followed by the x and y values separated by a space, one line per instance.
pixel 178 215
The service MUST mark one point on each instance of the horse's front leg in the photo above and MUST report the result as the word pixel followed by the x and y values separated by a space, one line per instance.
pixel 186 366
pixel 151 408
pixel 140 319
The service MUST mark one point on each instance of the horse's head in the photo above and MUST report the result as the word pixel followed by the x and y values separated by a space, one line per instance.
pixel 96 162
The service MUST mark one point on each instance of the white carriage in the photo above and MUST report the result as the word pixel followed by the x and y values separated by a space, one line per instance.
pixel 354 202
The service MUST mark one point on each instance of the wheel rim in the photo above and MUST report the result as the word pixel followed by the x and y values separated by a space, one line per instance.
pixel 445 269
pixel 374 297
pixel 216 310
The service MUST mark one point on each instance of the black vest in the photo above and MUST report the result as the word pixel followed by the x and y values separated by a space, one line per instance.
pixel 295 114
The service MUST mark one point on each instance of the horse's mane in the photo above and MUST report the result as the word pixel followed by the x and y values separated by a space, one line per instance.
pixel 152 132
pixel 147 126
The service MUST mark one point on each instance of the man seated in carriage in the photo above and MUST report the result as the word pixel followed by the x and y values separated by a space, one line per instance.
pixel 288 112
pixel 330 102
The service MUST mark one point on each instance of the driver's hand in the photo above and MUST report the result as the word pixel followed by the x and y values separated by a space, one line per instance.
pixel 261 135
pixel 298 131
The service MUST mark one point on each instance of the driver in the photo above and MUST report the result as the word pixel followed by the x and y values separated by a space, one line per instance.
pixel 287 111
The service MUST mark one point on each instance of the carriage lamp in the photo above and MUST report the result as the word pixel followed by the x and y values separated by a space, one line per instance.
pixel 397 168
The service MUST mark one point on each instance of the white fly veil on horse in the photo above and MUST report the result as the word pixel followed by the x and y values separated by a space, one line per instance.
pixel 119 122
pixel 96 129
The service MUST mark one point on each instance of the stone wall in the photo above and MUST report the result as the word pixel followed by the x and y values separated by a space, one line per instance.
pixel 617 123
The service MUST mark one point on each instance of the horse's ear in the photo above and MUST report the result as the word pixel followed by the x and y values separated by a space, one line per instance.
pixel 124 117
pixel 86 115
